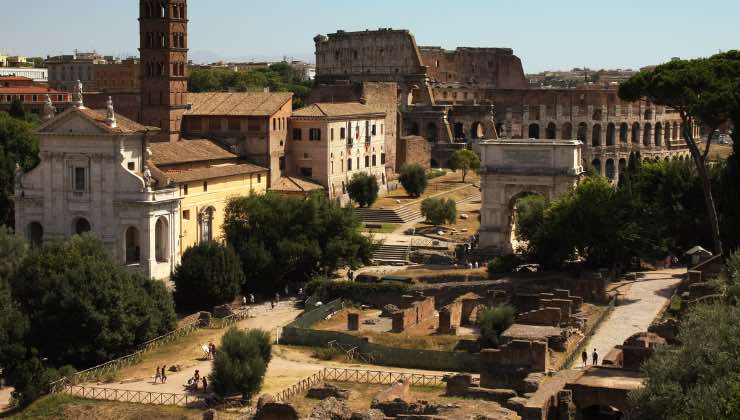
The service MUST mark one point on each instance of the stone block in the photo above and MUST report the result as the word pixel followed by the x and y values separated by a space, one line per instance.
pixel 353 321
pixel 325 391
pixel 222 311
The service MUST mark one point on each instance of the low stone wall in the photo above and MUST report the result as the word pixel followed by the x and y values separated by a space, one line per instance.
pixel 507 366
pixel 546 316
pixel 415 313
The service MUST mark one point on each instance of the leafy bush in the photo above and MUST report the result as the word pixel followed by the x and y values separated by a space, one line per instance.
pixel 435 173
pixel 210 274
pixel 464 160
pixel 439 211
pixel 328 290
pixel 327 353
pixel 363 189
pixel 503 264
pixel 494 321
pixel 414 180
pixel 240 363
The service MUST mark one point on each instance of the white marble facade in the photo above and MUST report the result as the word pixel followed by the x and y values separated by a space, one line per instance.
pixel 92 178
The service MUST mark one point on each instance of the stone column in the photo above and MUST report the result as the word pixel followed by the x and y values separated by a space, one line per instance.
pixel 353 321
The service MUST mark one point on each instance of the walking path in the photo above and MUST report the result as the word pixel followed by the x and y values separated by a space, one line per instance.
pixel 635 312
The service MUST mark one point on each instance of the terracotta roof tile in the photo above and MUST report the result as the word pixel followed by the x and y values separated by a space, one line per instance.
pixel 210 172
pixel 237 103
pixel 186 151
pixel 344 109
pixel 123 124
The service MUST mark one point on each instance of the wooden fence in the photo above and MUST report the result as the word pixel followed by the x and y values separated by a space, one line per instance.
pixel 108 368
pixel 140 397
pixel 360 376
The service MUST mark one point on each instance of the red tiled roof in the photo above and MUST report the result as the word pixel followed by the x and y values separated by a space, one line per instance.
pixel 237 103
pixel 210 172
pixel 123 124
pixel 343 109
pixel 187 151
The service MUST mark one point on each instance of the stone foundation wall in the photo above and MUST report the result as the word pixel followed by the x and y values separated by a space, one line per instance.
pixel 413 150
pixel 546 316
pixel 418 312
pixel 508 365
pixel 450 318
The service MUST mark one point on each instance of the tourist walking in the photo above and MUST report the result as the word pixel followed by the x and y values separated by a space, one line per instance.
pixel 595 358
pixel 584 357
pixel 212 350
pixel 157 376
pixel 205 384
pixel 244 301
pixel 251 299
pixel 164 373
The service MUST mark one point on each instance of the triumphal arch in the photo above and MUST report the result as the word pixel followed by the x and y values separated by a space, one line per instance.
pixel 511 168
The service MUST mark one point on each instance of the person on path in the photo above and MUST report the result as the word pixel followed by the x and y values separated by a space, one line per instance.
pixel 595 358
pixel 164 373
pixel 205 384
pixel 251 298
pixel 157 376
pixel 244 301
pixel 272 303
pixel 584 357
pixel 212 350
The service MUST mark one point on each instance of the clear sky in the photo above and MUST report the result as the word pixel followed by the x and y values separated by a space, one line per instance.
pixel 545 34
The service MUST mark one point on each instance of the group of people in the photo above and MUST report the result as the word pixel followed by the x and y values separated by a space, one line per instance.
pixel 161 374
pixel 211 351
pixel 594 358
pixel 193 382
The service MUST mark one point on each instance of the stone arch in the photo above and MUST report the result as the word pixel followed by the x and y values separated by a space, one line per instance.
pixel 132 245
pixel 636 133
pixel 534 131
pixel 81 225
pixel 596 135
pixel 622 165
pixel 551 132
pixel 611 134
pixel 459 130
pixel 646 135
pixel 582 132
pixel 566 132
pixel 512 211
pixel 161 239
pixel 412 128
pixel 596 163
pixel 658 134
pixel 432 132
pixel 623 133
pixel 610 169
pixel 477 130
pixel 35 234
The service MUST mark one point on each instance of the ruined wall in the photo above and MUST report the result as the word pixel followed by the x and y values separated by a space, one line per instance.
pixel 545 316
pixel 416 313
pixel 413 150
pixel 493 67
pixel 507 366
pixel 450 318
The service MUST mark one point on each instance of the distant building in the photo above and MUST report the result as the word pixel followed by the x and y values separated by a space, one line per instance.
pixel 37 75
pixel 116 77
pixel 31 96
pixel 331 142
pixel 66 70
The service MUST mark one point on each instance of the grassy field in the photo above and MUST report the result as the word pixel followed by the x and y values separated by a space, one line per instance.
pixel 65 407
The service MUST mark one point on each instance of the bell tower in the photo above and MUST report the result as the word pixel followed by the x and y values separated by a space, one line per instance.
pixel 163 33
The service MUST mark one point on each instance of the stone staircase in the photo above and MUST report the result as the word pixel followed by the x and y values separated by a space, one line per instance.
pixel 398 216
pixel 391 255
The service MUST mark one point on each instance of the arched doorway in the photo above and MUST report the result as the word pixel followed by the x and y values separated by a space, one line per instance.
pixel 636 133
pixel 81 225
pixel 477 130
pixel 658 134
pixel 582 132
pixel 566 132
pixel 133 249
pixel 646 135
pixel 596 135
pixel 412 128
pixel 610 134
pixel 622 165
pixel 551 131
pixel 206 224
pixel 161 240
pixel 432 134
pixel 623 133
pixel 524 210
pixel 534 131
pixel 35 234
pixel 596 164
pixel 459 131
pixel 610 169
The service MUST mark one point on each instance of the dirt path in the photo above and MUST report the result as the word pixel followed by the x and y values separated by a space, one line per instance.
pixel 637 309
pixel 5 398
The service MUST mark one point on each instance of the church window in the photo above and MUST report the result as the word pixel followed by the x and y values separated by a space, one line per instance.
pixel 80 179
pixel 382 158
pixel 185 189
pixel 374 130
pixel 342 133
pixel 375 160
pixel 349 164
pixel 161 240
pixel 206 225
pixel 186 214
pixel 367 161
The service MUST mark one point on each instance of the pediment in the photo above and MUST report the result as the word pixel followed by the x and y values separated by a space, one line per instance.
pixel 72 121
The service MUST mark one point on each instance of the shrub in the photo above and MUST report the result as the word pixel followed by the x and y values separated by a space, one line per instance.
pixel 435 173
pixel 328 290
pixel 503 264
pixel 210 274
pixel 464 160
pixel 327 353
pixel 494 321
pixel 414 180
pixel 363 189
pixel 240 363
pixel 439 211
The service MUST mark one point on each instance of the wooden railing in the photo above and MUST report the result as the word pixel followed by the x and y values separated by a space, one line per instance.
pixel 140 397
pixel 360 376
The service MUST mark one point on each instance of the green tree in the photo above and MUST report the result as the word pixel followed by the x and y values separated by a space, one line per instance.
pixel 494 321
pixel 83 307
pixel 210 274
pixel 530 211
pixel 16 109
pixel 363 189
pixel 439 211
pixel 240 363
pixel 703 91
pixel 413 178
pixel 698 378
pixel 18 146
pixel 288 239
pixel 464 160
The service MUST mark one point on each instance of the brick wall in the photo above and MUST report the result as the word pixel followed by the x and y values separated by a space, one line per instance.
pixel 413 150
pixel 416 313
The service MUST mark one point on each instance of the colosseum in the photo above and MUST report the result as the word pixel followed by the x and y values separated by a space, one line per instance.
pixel 454 98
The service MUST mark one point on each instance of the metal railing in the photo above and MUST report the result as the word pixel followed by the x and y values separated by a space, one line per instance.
pixel 140 397
pixel 360 376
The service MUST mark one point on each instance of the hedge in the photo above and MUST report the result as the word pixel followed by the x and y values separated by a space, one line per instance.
pixel 353 291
